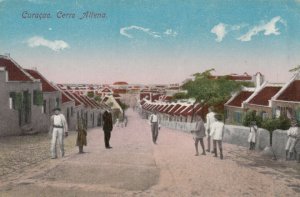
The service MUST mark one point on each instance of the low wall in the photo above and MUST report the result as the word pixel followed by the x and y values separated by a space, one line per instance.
pixel 238 135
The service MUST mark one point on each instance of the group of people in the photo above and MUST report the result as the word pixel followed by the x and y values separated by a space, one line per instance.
pixel 214 130
pixel 59 130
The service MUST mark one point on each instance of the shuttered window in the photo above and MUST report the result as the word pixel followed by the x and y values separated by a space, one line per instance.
pixel 38 98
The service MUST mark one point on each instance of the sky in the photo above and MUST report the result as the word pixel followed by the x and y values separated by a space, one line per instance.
pixel 151 42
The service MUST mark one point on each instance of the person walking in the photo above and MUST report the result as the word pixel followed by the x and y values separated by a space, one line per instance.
pixel 58 130
pixel 293 136
pixel 81 135
pixel 217 133
pixel 252 135
pixel 210 119
pixel 107 128
pixel 199 134
pixel 154 122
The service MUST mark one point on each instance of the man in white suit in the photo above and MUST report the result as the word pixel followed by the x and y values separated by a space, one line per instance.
pixel 210 119
pixel 217 133
pixel 58 130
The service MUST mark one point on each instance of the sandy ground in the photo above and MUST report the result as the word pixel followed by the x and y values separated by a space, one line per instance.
pixel 136 167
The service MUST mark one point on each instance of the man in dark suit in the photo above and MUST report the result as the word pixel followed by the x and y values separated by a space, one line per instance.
pixel 107 127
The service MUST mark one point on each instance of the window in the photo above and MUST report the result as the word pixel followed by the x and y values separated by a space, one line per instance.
pixel 238 117
pixel 38 98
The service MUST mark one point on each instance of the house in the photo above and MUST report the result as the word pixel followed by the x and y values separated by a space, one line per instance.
pixel 287 101
pixel 106 92
pixel 68 108
pixel 21 100
pixel 260 100
pixel 235 108
pixel 51 96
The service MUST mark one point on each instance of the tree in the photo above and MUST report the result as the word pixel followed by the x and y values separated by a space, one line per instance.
pixel 213 90
pixel 250 117
pixel 272 124
pixel 91 94
pixel 97 98
pixel 179 95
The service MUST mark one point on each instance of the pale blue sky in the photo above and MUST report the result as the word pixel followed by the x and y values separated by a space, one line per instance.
pixel 153 41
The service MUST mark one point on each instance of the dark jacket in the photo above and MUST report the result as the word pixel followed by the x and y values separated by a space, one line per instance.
pixel 108 124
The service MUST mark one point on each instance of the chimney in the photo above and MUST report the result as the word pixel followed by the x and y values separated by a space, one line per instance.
pixel 259 79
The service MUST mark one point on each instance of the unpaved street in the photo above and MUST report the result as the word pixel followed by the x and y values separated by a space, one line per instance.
pixel 136 167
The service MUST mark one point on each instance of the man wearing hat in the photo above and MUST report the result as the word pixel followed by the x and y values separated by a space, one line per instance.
pixel 58 130
pixel 293 135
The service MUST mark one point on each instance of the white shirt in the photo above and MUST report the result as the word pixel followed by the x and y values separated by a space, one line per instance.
pixel 217 130
pixel 293 131
pixel 153 118
pixel 60 120
pixel 210 119
pixel 57 120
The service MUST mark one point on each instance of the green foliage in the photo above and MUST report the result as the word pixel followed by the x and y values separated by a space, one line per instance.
pixel 97 98
pixel 180 95
pixel 272 124
pixel 250 117
pixel 91 94
pixel 212 90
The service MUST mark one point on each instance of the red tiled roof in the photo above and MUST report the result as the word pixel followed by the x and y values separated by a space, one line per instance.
pixel 64 97
pixel 160 107
pixel 144 95
pixel 142 102
pixel 264 95
pixel 185 112
pixel 144 106
pixel 168 108
pixel 177 112
pixel 105 99
pixel 238 100
pixel 177 106
pixel 46 85
pixel 120 83
pixel 106 90
pixel 291 93
pixel 81 100
pixel 15 73
pixel 194 109
pixel 120 91
pixel 77 102
pixel 163 108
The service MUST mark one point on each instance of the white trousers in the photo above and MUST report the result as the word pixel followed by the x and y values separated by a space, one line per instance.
pixel 57 136
pixel 290 145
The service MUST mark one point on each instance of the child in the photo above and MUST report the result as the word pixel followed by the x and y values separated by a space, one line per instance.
pixel 252 135
pixel 217 133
